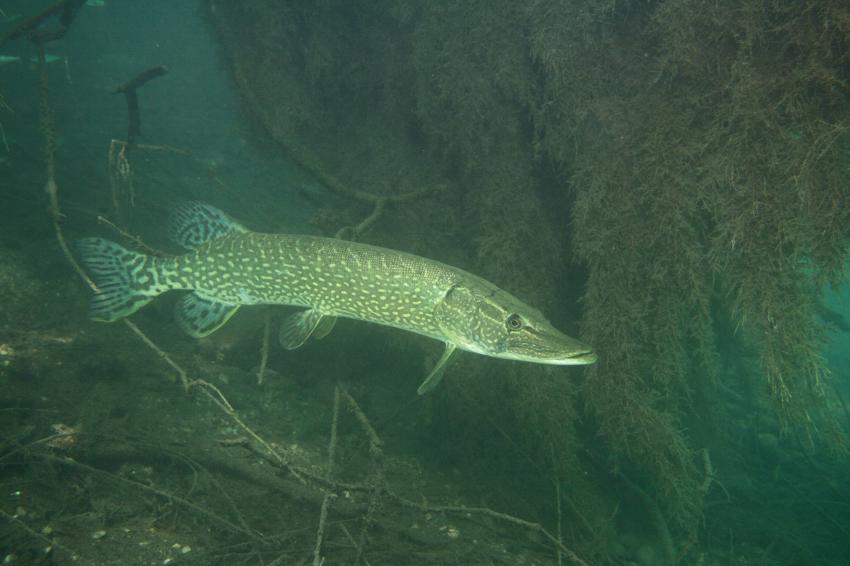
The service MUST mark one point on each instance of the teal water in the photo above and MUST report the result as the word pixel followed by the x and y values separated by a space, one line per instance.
pixel 116 450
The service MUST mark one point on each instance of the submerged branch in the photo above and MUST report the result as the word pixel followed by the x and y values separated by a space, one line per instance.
pixel 129 90
pixel 66 9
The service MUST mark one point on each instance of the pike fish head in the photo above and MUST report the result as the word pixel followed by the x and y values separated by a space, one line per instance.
pixel 490 321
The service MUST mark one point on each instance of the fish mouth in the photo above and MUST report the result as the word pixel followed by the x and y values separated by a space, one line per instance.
pixel 582 358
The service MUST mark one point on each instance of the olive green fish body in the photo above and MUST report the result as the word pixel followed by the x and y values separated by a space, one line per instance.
pixel 336 277
pixel 228 267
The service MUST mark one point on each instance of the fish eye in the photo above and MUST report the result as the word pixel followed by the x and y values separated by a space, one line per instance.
pixel 513 322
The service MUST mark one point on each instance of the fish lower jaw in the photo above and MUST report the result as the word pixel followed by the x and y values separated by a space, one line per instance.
pixel 581 360
pixel 576 360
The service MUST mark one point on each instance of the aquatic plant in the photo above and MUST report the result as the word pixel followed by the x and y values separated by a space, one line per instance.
pixel 692 157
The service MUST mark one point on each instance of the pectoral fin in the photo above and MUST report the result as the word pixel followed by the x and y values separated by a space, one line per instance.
pixel 326 324
pixel 296 329
pixel 200 316
pixel 437 373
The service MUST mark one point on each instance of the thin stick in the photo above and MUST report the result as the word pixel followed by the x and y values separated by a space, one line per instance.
pixel 60 237
pixel 496 515
pixel 320 532
pixel 355 231
pixel 333 440
pixel 378 201
pixel 50 158
pixel 558 509
pixel 334 185
pixel 353 542
pixel 120 178
pixel 264 348
pixel 166 148
pixel 5 142
pixel 323 515
pixel 372 487
pixel 38 536
pixel 144 487
pixel 32 26
pixel 376 482
pixel 135 240
pixel 217 397
pixel 129 90
pixel 375 443
pixel 184 378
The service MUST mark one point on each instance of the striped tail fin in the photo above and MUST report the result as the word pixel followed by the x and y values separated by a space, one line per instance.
pixel 126 280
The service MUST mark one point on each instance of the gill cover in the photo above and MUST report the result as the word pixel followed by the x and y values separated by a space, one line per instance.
pixel 472 320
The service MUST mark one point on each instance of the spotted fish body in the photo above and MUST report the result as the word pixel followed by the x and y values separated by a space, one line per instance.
pixel 229 266
pixel 337 278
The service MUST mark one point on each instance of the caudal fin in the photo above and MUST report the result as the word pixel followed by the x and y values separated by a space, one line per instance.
pixel 126 280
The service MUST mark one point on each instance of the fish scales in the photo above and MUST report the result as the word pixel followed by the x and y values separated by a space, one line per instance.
pixel 338 277
pixel 229 266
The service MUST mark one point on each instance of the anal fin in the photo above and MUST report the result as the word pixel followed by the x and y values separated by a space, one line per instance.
pixel 438 372
pixel 200 316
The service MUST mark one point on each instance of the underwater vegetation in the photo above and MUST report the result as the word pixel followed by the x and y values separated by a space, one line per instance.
pixel 669 181
pixel 692 157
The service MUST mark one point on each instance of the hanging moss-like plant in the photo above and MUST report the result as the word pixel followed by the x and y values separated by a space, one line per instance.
pixel 692 156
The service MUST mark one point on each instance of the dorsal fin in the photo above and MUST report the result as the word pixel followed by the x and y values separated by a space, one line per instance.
pixel 194 223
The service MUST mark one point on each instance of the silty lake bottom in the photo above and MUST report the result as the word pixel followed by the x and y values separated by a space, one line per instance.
pixel 665 182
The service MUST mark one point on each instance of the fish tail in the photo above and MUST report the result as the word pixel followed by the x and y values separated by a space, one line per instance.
pixel 126 280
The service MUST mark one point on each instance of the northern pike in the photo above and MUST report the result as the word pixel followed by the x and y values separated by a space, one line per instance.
pixel 228 266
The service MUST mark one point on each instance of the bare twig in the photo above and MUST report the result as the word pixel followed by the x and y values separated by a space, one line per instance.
pixel 353 232
pixel 136 241
pixel 378 202
pixel 504 517
pixel 332 441
pixel 15 520
pixel 323 515
pixel 5 141
pixel 376 489
pixel 184 378
pixel 376 483
pixel 334 185
pixel 144 487
pixel 32 26
pixel 215 395
pixel 375 443
pixel 50 159
pixel 120 178
pixel 558 510
pixel 326 501
pixel 129 90
pixel 264 348
pixel 353 542
pixel 164 148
